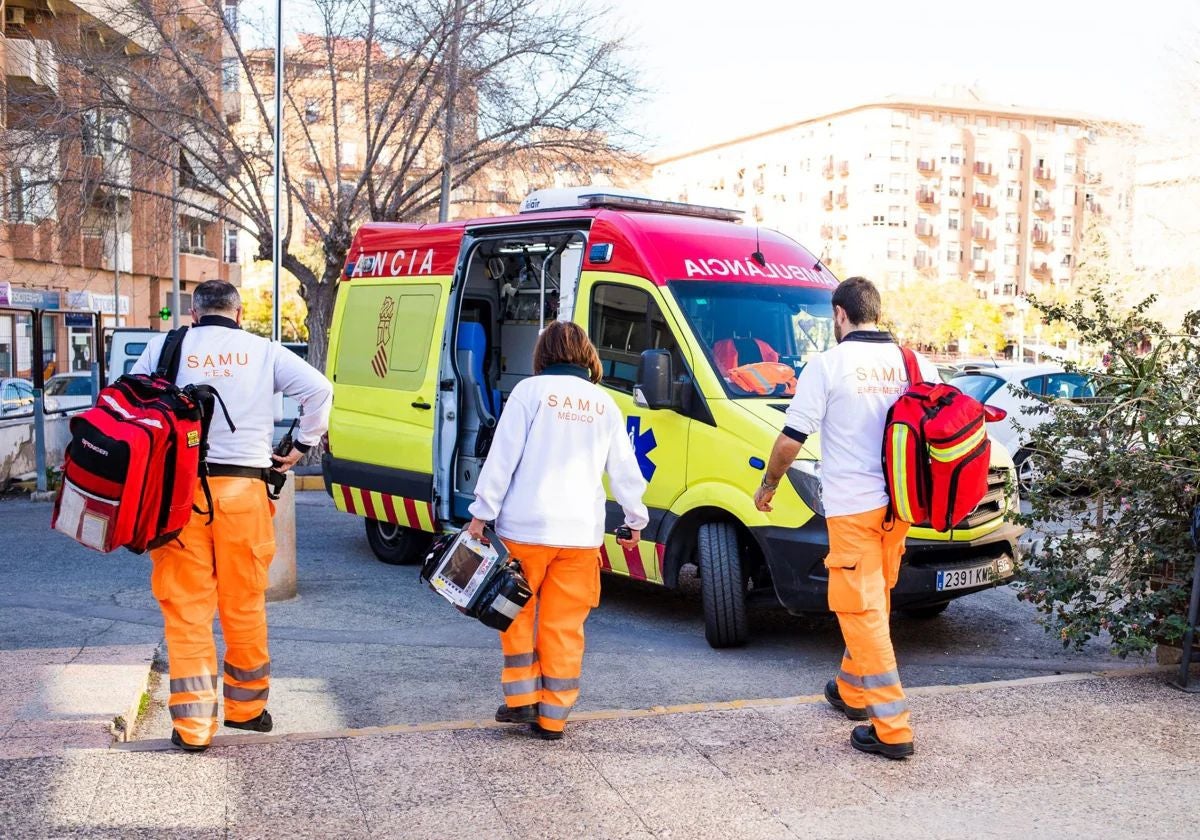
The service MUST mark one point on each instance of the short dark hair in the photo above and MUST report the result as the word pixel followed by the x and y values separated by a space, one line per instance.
pixel 215 296
pixel 565 342
pixel 859 297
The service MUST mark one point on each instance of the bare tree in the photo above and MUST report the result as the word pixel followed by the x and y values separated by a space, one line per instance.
pixel 366 103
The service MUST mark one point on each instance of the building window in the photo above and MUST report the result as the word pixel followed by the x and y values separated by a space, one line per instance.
pixel 952 220
pixel 231 17
pixel 231 244
pixel 312 110
pixel 349 156
pixel 1012 223
pixel 955 189
pixel 1014 158
pixel 1069 196
pixel 1011 255
pixel 33 196
pixel 1066 261
pixel 981 122
pixel 230 75
pixel 899 119
pixel 960 119
pixel 1068 163
pixel 896 184
pixel 895 216
pixel 977 252
pixel 956 153
pixel 310 189
pixel 895 249
pixel 879 188
pixel 90 130
pixel 194 237
pixel 877 220
pixel 897 150
pixel 1013 191
pixel 1067 226
pixel 954 255
pixel 926 116
pixel 1043 128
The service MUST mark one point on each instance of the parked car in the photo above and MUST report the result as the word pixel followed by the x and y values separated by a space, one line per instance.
pixel 125 347
pixel 68 391
pixel 1016 388
pixel 291 409
pixel 16 398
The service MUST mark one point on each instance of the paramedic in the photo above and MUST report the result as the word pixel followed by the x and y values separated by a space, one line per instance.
pixel 845 393
pixel 542 485
pixel 223 565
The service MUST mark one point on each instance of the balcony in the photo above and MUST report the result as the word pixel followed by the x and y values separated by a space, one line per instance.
pixel 844 168
pixel 983 201
pixel 927 167
pixel 1092 207
pixel 927 197
pixel 843 199
pixel 981 233
pixel 1040 271
pixel 980 266
pixel 983 169
pixel 827 201
pixel 923 262
pixel 1041 238
pixel 827 169
pixel 31 65
pixel 827 231
pixel 231 105
pixel 1043 207
pixel 924 229
pixel 1043 173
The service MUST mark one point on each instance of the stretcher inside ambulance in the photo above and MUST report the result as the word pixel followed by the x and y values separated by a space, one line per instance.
pixel 702 325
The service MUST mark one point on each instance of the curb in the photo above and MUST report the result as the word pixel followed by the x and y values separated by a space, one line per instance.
pixel 124 726
pixel 161 745
pixel 310 482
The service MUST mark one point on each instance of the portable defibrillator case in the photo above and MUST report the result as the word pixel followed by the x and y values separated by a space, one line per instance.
pixel 480 580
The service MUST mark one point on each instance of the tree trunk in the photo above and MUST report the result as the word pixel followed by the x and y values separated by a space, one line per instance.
pixel 320 298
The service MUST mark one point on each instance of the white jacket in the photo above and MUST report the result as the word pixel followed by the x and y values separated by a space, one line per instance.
pixel 845 393
pixel 246 371
pixel 542 481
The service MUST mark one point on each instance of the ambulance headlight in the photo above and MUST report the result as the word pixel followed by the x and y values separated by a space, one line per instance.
pixel 805 477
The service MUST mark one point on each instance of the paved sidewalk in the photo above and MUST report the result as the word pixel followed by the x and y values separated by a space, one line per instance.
pixel 1067 756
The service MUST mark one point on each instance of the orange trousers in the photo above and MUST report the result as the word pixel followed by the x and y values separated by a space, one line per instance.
pixel 543 647
pixel 222 566
pixel 864 563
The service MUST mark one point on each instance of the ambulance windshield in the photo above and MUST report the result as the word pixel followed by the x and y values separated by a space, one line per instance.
pixel 757 337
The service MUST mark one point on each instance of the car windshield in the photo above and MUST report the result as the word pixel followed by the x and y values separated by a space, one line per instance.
pixel 977 385
pixel 757 337
pixel 72 386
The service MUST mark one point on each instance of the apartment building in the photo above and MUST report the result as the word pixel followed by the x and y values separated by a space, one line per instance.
pixel 944 189
pixel 86 224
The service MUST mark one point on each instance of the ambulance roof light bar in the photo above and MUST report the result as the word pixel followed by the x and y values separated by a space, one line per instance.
pixel 614 198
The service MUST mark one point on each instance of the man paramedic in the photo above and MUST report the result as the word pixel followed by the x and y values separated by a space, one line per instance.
pixel 222 565
pixel 845 393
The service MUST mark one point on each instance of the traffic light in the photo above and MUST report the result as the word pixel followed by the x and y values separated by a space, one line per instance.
pixel 165 313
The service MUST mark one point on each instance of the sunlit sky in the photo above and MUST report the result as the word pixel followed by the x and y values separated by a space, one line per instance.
pixel 717 69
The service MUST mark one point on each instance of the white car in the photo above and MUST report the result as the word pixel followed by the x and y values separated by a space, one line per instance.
pixel 68 391
pixel 16 398
pixel 1016 388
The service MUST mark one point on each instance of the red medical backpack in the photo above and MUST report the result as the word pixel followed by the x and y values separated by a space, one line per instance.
pixel 131 468
pixel 936 452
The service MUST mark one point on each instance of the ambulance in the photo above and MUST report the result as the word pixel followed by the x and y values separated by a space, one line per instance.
pixel 702 324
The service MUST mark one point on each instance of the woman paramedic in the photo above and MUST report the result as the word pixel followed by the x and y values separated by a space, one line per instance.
pixel 542 486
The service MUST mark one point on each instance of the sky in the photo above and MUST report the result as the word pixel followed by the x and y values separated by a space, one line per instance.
pixel 718 70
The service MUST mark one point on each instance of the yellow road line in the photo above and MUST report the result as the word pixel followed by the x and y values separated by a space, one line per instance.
pixel 160 745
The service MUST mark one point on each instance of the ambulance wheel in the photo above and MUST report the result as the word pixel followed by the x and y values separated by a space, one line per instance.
pixel 722 585
pixel 396 545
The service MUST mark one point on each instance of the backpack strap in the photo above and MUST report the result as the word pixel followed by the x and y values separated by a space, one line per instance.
pixel 171 353
pixel 207 398
pixel 912 367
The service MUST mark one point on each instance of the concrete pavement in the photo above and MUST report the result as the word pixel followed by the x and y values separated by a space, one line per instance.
pixel 1068 756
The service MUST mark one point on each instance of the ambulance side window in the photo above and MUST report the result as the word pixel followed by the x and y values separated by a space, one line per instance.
pixel 624 322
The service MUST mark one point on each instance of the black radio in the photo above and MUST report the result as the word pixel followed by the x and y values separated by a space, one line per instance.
pixel 275 479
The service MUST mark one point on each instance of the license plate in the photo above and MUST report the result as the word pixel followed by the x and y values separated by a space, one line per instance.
pixel 964 578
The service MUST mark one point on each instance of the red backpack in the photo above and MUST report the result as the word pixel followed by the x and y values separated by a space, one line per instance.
pixel 936 452
pixel 130 473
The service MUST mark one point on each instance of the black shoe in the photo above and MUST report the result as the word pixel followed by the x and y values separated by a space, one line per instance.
pixel 262 723
pixel 834 698
pixel 184 745
pixel 517 714
pixel 545 734
pixel 864 739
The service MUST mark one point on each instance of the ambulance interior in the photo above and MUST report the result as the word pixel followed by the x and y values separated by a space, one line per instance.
pixel 514 286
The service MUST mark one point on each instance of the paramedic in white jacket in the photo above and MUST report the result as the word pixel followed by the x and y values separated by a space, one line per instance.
pixel 845 393
pixel 542 485
pixel 221 564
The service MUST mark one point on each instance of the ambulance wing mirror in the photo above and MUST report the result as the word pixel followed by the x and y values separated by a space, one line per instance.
pixel 655 382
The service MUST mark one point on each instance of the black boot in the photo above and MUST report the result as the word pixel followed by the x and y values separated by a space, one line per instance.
pixel 864 739
pixel 184 745
pixel 545 734
pixel 262 723
pixel 517 714
pixel 834 698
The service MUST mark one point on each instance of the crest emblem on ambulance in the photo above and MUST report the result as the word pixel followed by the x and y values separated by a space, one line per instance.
pixel 383 337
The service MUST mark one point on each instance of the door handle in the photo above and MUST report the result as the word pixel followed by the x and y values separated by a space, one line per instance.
pixel 421 404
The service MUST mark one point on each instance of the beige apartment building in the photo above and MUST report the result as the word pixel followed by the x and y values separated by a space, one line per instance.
pixel 956 189
pixel 84 226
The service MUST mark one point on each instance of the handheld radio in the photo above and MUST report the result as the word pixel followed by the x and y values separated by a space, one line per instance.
pixel 276 480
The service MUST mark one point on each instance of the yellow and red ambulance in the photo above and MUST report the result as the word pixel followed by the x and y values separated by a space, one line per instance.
pixel 701 324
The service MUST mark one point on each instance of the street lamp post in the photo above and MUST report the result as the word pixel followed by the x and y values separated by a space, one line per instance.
pixel 451 92
pixel 276 244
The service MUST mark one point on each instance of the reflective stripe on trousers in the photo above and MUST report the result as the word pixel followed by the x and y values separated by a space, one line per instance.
pixel 864 563
pixel 566 585
pixel 209 569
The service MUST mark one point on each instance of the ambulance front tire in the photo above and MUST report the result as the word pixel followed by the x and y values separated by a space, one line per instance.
pixel 396 545
pixel 722 585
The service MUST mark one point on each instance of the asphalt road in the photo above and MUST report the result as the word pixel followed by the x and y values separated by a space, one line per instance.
pixel 365 644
